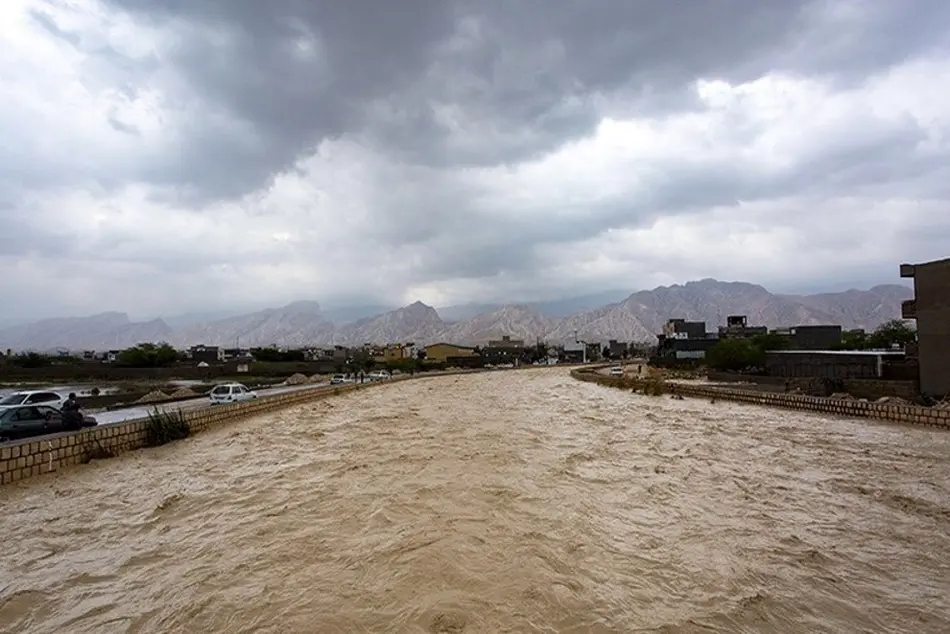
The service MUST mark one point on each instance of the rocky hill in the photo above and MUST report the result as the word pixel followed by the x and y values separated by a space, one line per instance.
pixel 637 318
pixel 105 331
pixel 519 322
pixel 415 322
pixel 297 324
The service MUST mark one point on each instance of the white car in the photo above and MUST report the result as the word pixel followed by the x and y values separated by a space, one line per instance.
pixel 616 371
pixel 339 379
pixel 231 393
pixel 33 397
pixel 378 375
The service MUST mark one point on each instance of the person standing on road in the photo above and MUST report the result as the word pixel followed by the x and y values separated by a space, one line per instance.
pixel 72 419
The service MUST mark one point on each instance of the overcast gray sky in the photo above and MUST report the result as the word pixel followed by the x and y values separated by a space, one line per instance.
pixel 162 156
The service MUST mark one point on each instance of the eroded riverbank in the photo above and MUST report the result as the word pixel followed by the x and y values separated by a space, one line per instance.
pixel 509 502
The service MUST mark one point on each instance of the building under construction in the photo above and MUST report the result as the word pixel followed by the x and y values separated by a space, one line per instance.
pixel 931 309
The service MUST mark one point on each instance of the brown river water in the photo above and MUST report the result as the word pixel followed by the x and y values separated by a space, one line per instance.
pixel 505 502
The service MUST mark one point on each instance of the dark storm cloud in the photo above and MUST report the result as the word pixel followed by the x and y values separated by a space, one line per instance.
pixel 683 189
pixel 522 77
pixel 422 95
pixel 363 51
pixel 849 39
pixel 398 56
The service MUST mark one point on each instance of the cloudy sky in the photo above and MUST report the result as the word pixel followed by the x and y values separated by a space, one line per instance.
pixel 164 156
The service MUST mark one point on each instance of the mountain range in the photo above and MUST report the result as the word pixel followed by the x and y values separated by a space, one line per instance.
pixel 638 317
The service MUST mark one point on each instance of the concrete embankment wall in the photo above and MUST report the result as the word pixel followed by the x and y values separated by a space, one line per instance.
pixel 870 389
pixel 46 454
pixel 896 413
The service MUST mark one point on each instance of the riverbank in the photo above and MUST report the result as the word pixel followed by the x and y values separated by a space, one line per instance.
pixel 40 455
pixel 895 413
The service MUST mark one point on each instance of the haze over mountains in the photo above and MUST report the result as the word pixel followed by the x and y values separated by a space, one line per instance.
pixel 638 317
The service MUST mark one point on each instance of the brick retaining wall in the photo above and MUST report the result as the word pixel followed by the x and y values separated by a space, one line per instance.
pixel 871 389
pixel 910 414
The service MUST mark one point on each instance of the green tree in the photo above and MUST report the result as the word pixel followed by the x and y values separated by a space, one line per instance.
pixel 31 360
pixel 148 355
pixel 295 356
pixel 273 355
pixel 894 332
pixel 404 365
pixel 267 355
pixel 540 351
pixel 853 340
pixel 771 341
pixel 735 355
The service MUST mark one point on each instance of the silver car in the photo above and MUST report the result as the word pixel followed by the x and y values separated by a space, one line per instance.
pixel 33 397
pixel 27 421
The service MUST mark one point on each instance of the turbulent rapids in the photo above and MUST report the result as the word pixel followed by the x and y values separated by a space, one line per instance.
pixel 504 502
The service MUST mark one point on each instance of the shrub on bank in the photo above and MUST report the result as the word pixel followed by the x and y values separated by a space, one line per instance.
pixel 653 386
pixel 164 427
pixel 648 386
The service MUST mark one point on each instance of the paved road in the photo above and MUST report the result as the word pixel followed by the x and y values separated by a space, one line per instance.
pixel 140 411
pixel 630 368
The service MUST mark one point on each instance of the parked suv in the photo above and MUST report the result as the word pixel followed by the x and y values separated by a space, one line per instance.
pixel 231 393
pixel 33 397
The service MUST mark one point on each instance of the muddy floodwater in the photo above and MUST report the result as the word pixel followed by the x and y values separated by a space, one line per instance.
pixel 505 502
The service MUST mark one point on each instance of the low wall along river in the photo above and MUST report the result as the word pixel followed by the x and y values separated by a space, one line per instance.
pixel 895 413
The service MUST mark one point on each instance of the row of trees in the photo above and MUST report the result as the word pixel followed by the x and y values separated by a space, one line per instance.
pixel 148 355
pixel 273 355
pixel 737 355
pixel 890 333
pixel 31 360
pixel 160 355
pixel 368 364
pixel 145 355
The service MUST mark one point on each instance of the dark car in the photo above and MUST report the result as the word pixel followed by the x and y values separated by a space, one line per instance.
pixel 27 421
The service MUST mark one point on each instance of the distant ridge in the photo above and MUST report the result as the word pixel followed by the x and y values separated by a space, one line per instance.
pixel 636 317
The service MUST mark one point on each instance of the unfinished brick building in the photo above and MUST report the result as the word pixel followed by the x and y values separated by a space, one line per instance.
pixel 931 309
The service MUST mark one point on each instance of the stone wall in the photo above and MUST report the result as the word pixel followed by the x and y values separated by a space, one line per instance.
pixel 911 414
pixel 871 389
